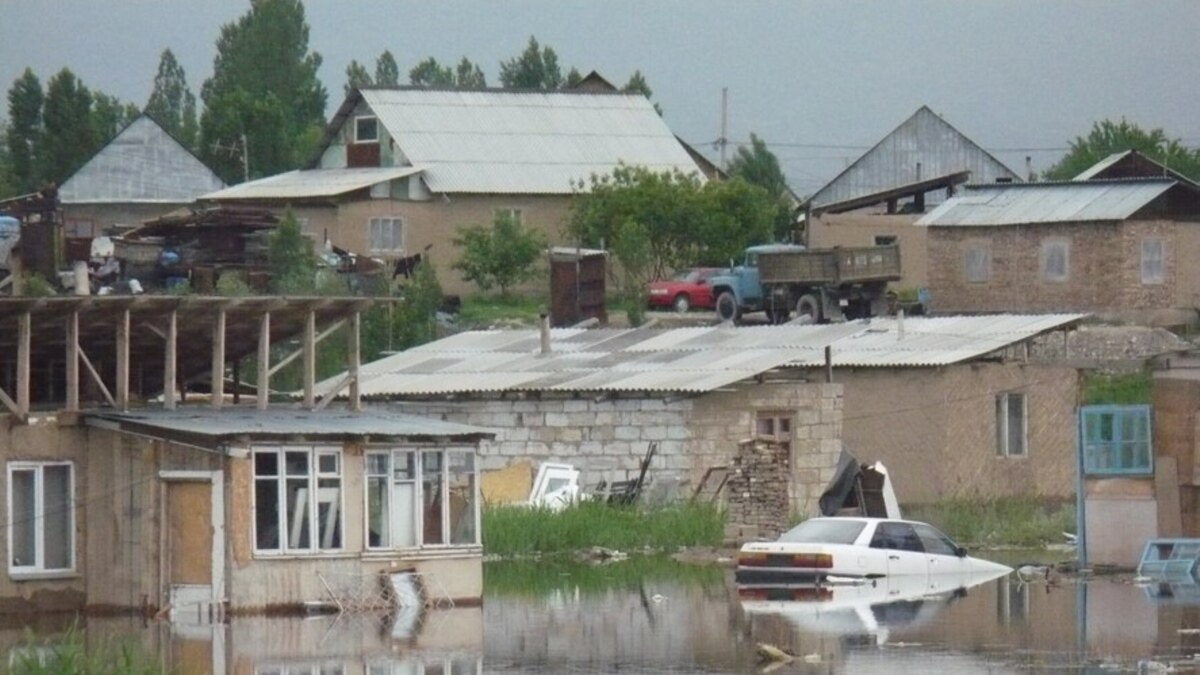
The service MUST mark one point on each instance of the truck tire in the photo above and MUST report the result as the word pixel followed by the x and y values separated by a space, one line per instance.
pixel 727 307
pixel 808 305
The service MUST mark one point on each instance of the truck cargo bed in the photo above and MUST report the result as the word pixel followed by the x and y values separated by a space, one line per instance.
pixel 831 266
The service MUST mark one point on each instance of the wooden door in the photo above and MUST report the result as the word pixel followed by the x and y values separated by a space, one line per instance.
pixel 189 533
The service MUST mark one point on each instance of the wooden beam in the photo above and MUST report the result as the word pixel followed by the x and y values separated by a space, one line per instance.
pixel 263 392
pixel 169 361
pixel 332 393
pixel 154 329
pixel 310 357
pixel 217 378
pixel 72 357
pixel 23 337
pixel 96 376
pixel 9 403
pixel 354 361
pixel 300 352
pixel 122 384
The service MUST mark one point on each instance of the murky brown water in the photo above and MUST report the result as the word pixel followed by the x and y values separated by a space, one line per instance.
pixel 668 622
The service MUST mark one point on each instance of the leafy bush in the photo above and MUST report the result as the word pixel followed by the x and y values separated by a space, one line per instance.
pixel 500 256
pixel 1009 521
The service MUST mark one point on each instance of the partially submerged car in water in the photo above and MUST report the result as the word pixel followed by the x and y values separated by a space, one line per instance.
pixel 835 550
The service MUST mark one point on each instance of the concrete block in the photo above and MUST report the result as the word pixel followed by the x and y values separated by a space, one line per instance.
pixel 627 433
pixel 599 463
pixel 654 433
pixel 678 432
pixel 572 434
pixel 576 406
pixel 556 419
pixel 601 433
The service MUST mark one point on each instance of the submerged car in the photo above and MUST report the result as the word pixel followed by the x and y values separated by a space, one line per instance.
pixel 687 290
pixel 848 549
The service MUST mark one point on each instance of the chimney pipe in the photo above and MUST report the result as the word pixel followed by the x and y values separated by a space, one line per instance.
pixel 899 324
pixel 1028 168
pixel 544 326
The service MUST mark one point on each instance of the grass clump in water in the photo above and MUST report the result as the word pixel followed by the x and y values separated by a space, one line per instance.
pixel 532 578
pixel 68 655
pixel 1001 521
pixel 520 530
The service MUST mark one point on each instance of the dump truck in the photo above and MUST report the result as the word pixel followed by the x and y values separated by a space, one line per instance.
pixel 833 284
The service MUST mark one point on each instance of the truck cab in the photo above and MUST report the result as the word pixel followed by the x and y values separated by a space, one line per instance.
pixel 739 289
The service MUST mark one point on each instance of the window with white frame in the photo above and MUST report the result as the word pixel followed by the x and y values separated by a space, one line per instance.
pixel 387 235
pixel 41 517
pixel 1011 424
pixel 513 214
pixel 366 130
pixel 978 264
pixel 1152 261
pixel 1056 260
pixel 297 499
pixel 421 498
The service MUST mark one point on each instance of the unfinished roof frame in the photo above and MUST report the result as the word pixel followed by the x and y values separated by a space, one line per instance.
pixel 145 324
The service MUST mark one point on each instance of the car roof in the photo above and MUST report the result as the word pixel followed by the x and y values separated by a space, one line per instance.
pixel 863 519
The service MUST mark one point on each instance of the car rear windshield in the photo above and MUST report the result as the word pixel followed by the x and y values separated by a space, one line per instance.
pixel 821 531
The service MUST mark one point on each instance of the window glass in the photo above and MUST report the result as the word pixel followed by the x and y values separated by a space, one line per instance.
pixel 41 525
pixel 1152 261
pixel 366 129
pixel 300 510
pixel 460 477
pixel 266 515
pixel 431 488
pixel 824 531
pixel 896 536
pixel 1055 261
pixel 387 234
pixel 23 529
pixel 979 264
pixel 935 542
pixel 1011 424
pixel 1116 440
pixel 56 492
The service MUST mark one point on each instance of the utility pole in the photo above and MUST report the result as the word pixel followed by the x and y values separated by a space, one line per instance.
pixel 723 141
pixel 245 161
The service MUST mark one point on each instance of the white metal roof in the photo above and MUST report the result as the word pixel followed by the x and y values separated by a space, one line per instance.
pixel 684 359
pixel 1103 164
pixel 1024 203
pixel 494 141
pixel 142 164
pixel 311 183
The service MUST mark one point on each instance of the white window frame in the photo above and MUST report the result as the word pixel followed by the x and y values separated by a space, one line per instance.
pixel 1154 263
pixel 357 138
pixel 977 264
pixel 396 223
pixel 419 497
pixel 1048 248
pixel 39 538
pixel 314 477
pixel 1003 432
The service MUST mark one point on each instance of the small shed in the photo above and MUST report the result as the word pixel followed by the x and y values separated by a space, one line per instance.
pixel 577 285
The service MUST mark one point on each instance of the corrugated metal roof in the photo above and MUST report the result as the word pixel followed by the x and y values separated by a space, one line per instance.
pixel 1099 167
pixel 142 164
pixel 279 422
pixel 925 139
pixel 696 359
pixel 311 183
pixel 1024 203
pixel 516 142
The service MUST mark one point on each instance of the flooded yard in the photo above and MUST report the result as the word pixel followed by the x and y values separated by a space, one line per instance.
pixel 658 616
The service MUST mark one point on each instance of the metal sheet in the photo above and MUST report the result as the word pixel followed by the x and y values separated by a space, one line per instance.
pixel 1028 203
pixel 311 183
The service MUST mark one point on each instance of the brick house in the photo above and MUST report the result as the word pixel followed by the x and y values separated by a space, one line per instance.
pixel 1120 249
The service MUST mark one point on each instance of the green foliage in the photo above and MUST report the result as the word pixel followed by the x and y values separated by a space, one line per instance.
pixel 264 85
pixel 387 71
pixel 631 246
pixel 537 578
pixel 68 137
pixel 69 656
pixel 535 68
pixel 520 530
pixel 25 100
pixel 1121 389
pixel 688 222
pixel 36 286
pixel 1007 521
pixel 1108 137
pixel 430 73
pixel 485 311
pixel 414 321
pixel 759 166
pixel 292 261
pixel 109 116
pixel 574 77
pixel 501 255
pixel 357 77
pixel 231 284
pixel 637 85
pixel 172 104
pixel 469 75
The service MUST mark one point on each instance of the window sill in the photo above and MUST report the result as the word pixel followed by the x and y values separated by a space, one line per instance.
pixel 424 553
pixel 293 555
pixel 44 576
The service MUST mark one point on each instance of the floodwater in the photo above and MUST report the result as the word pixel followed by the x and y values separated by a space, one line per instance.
pixel 657 616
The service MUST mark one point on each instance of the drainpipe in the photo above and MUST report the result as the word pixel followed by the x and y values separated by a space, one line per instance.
pixel 899 324
pixel 544 326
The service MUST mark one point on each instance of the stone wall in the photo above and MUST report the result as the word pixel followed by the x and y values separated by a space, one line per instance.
pixel 757 491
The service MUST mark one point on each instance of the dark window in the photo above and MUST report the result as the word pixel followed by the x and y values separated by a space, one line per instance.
pixel 366 130
pixel 896 536
pixel 885 239
pixel 934 541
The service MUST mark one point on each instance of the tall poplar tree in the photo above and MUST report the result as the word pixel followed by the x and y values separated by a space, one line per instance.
pixel 387 71
pixel 264 88
pixel 68 134
pixel 535 68
pixel 172 104
pixel 356 77
pixel 24 129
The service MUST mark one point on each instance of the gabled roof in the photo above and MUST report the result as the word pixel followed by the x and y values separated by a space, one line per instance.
pixel 518 142
pixel 311 183
pixel 925 139
pixel 1130 164
pixel 142 164
pixel 1062 202
pixel 684 359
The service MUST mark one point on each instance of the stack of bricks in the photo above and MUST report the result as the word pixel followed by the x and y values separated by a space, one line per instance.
pixel 757 491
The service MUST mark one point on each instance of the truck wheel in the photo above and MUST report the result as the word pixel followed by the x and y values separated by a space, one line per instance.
pixel 809 306
pixel 682 303
pixel 727 307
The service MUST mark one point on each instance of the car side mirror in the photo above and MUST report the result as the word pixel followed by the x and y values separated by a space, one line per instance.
pixel 960 551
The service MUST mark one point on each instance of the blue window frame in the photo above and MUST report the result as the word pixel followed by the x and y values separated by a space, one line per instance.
pixel 1116 440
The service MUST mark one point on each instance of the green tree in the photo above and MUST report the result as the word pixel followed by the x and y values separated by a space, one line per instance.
pixel 469 75
pixel 263 75
pixel 574 77
pixel 430 73
pixel 637 85
pixel 292 260
pixel 631 247
pixel 535 68
pixel 501 255
pixel 387 71
pixel 759 166
pixel 172 104
pixel 414 321
pixel 1108 137
pixel 356 77
pixel 110 115
pixel 25 100
pixel 8 185
pixel 68 134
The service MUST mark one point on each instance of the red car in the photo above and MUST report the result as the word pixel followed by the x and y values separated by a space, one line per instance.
pixel 687 289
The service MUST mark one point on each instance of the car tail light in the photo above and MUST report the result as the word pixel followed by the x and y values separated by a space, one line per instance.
pixel 751 558
pixel 813 560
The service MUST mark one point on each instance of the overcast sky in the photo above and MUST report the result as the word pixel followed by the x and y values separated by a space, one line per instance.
pixel 1020 77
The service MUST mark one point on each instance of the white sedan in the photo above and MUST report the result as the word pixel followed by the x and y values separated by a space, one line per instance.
pixel 846 549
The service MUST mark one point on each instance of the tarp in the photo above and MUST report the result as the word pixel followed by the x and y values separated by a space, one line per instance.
pixel 865 489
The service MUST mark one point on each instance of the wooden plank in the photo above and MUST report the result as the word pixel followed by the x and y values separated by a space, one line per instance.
pixel 72 362
pixel 1166 493
pixel 217 377
pixel 300 352
pixel 332 393
pixel 9 403
pixel 96 376
pixel 169 361
pixel 263 391
pixel 353 358
pixel 122 384
pixel 23 337
pixel 310 357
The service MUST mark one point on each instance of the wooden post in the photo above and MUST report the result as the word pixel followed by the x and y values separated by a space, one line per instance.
pixel 123 361
pixel 310 358
pixel 264 361
pixel 24 327
pixel 169 361
pixel 217 383
pixel 353 358
pixel 72 357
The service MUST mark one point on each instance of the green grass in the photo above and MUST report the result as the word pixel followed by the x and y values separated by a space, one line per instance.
pixel 518 530
pixel 68 655
pixel 481 311
pixel 1003 521
pixel 540 577
pixel 1123 389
